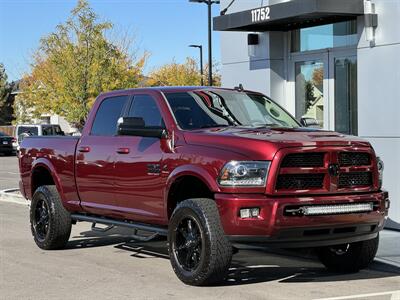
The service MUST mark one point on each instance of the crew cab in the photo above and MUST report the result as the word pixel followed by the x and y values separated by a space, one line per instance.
pixel 208 168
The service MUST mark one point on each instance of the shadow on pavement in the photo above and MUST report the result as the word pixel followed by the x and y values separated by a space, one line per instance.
pixel 248 265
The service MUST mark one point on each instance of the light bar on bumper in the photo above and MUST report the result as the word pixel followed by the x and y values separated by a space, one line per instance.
pixel 318 210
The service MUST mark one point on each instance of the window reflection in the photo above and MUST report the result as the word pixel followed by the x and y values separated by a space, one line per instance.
pixel 325 36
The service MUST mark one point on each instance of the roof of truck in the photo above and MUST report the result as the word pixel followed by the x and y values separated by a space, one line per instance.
pixel 171 89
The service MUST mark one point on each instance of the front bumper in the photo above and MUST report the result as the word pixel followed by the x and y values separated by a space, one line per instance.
pixel 6 148
pixel 273 228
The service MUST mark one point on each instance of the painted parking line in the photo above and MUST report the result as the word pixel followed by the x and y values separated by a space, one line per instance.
pixel 394 295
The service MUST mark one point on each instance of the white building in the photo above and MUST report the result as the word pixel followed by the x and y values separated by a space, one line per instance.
pixel 349 49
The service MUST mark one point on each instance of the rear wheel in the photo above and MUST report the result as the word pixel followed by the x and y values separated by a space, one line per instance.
pixel 200 253
pixel 50 221
pixel 349 257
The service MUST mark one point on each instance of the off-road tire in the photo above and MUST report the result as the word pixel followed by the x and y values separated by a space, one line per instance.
pixel 358 256
pixel 216 251
pixel 59 219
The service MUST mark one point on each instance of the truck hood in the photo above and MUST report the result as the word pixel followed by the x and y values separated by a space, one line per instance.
pixel 262 142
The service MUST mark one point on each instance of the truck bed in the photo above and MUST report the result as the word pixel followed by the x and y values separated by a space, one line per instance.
pixel 55 154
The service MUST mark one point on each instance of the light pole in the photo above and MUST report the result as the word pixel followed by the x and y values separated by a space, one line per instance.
pixel 201 61
pixel 209 4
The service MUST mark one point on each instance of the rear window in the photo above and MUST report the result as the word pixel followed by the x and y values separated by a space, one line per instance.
pixel 31 130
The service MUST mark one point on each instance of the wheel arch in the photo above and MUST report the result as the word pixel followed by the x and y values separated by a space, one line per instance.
pixel 44 173
pixel 202 185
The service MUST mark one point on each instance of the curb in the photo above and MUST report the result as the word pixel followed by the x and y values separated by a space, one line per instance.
pixel 12 195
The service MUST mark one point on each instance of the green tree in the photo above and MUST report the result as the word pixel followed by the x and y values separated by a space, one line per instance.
pixel 309 95
pixel 76 63
pixel 6 99
pixel 176 74
pixel 3 82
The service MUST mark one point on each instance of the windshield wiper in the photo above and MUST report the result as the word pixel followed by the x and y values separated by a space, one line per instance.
pixel 267 125
pixel 214 125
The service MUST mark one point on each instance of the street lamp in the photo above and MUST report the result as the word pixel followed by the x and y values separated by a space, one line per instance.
pixel 201 61
pixel 209 3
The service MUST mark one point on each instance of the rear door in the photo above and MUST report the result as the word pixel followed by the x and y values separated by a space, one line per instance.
pixel 95 158
pixel 138 166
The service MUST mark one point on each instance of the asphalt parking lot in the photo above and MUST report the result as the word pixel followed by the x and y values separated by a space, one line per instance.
pixel 114 266
pixel 9 175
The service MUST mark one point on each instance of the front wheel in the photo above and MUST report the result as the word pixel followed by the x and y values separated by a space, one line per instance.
pixel 199 251
pixel 349 258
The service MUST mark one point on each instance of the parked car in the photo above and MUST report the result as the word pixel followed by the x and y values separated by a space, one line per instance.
pixel 6 144
pixel 208 168
pixel 24 130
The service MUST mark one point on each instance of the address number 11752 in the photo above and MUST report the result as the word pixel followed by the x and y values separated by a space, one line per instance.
pixel 260 14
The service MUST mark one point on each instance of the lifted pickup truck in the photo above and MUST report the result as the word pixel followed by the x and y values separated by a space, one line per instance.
pixel 208 168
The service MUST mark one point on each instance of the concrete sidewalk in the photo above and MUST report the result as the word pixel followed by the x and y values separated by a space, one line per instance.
pixel 389 248
pixel 389 244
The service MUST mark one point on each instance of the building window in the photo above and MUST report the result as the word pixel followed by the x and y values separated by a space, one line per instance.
pixel 342 34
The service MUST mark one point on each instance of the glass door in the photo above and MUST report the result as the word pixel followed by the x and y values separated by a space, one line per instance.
pixel 311 87
pixel 323 85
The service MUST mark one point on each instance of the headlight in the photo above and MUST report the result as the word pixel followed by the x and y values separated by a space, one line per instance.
pixel 380 167
pixel 244 173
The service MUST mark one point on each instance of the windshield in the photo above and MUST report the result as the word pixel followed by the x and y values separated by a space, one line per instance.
pixel 219 108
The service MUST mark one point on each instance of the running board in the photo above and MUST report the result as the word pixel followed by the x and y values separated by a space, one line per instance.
pixel 130 224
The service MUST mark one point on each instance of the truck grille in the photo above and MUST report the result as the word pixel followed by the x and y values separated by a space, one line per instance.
pixel 354 159
pixel 336 169
pixel 298 160
pixel 300 181
pixel 352 179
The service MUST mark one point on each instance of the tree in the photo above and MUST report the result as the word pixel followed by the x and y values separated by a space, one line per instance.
pixel 76 63
pixel 175 74
pixel 309 95
pixel 6 99
pixel 318 77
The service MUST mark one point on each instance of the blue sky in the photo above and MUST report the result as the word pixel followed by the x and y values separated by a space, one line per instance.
pixel 165 28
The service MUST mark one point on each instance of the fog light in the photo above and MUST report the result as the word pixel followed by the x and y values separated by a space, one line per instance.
pixel 387 204
pixel 249 212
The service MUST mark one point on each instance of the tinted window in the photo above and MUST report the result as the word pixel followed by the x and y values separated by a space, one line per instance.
pixel 144 106
pixel 105 122
pixel 191 112
pixel 2 134
pixel 219 108
pixel 32 130
pixel 47 130
pixel 57 130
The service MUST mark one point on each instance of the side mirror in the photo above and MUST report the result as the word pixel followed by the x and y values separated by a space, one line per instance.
pixel 136 127
pixel 309 122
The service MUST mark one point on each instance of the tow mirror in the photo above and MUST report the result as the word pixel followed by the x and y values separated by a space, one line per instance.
pixel 309 122
pixel 136 127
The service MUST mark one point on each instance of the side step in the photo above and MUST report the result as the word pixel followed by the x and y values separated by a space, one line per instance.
pixel 130 224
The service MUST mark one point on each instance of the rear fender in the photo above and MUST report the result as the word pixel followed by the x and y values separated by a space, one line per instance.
pixel 45 163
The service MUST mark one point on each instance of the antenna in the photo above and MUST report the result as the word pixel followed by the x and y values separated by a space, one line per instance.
pixel 239 88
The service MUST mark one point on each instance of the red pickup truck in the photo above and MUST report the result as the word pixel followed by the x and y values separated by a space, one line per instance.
pixel 209 168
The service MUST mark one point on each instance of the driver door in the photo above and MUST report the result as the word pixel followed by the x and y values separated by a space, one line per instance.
pixel 138 163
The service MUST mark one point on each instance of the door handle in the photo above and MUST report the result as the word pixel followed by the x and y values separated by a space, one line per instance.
pixel 84 149
pixel 123 150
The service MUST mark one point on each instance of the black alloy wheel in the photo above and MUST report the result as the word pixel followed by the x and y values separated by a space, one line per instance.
pixel 41 220
pixel 187 244
pixel 200 253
